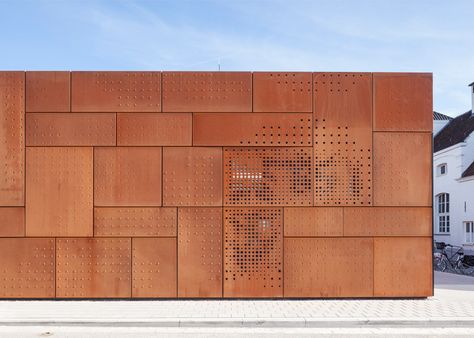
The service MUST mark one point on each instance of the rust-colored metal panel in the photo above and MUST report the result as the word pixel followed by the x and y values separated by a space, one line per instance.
pixel 387 221
pixel 268 176
pixel 403 267
pixel 93 268
pixel 127 176
pixel 12 145
pixel 402 169
pixel 70 129
pixel 207 92
pixel 48 92
pixel 253 252
pixel 116 91
pixel 12 222
pixel 256 129
pixel 328 267
pixel 131 222
pixel 147 129
pixel 59 191
pixel 403 102
pixel 27 266
pixel 200 252
pixel 282 92
pixel 342 139
pixel 192 176
pixel 313 222
pixel 154 268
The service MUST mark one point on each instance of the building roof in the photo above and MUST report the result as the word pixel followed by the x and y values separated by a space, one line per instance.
pixel 441 117
pixel 456 131
pixel 469 171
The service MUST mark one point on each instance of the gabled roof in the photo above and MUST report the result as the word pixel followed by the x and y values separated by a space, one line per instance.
pixel 441 117
pixel 456 131
pixel 469 171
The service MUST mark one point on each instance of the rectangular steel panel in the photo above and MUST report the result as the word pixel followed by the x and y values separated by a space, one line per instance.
pixel 116 91
pixel 27 266
pixel 257 129
pixel 207 92
pixel 154 267
pixel 403 102
pixel 192 176
pixel 93 268
pixel 268 176
pixel 70 129
pixel 328 267
pixel 402 169
pixel 59 191
pixel 12 222
pixel 147 129
pixel 383 221
pixel 48 91
pixel 200 252
pixel 253 252
pixel 313 222
pixel 403 267
pixel 12 145
pixel 282 92
pixel 342 139
pixel 127 176
pixel 130 222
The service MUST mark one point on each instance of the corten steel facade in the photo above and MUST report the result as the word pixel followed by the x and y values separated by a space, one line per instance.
pixel 215 184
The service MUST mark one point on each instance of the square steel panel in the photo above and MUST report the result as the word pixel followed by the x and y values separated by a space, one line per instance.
pixel 12 145
pixel 48 92
pixel 147 129
pixel 403 267
pixel 391 221
pixel 70 129
pixel 27 266
pixel 402 169
pixel 59 191
pixel 154 267
pixel 200 252
pixel 329 267
pixel 127 176
pixel 131 222
pixel 192 176
pixel 12 222
pixel 116 91
pixel 93 268
pixel 403 102
pixel 268 176
pixel 257 129
pixel 282 92
pixel 253 252
pixel 207 92
pixel 314 222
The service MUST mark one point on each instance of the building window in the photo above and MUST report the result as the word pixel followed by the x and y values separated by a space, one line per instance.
pixel 469 229
pixel 442 209
pixel 442 169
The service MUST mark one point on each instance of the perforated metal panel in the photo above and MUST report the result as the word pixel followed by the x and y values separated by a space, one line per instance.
pixel 268 176
pixel 192 176
pixel 12 222
pixel 116 91
pixel 141 222
pixel 342 139
pixel 127 176
pixel 207 91
pixel 154 267
pixel 70 129
pixel 200 252
pixel 258 129
pixel 48 91
pixel 93 268
pixel 253 252
pixel 59 191
pixel 317 222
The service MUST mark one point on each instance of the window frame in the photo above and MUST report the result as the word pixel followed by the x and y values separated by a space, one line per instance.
pixel 470 225
pixel 442 213
pixel 439 169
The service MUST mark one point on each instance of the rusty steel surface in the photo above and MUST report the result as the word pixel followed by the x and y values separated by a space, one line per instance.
pixel 70 129
pixel 48 92
pixel 207 92
pixel 282 92
pixel 161 129
pixel 200 252
pixel 59 191
pixel 314 222
pixel 12 221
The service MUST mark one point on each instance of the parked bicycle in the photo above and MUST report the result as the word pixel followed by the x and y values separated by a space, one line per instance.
pixel 451 258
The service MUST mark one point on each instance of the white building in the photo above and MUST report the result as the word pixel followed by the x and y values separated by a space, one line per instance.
pixel 453 174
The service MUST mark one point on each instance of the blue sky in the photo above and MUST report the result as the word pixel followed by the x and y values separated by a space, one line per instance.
pixel 427 36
